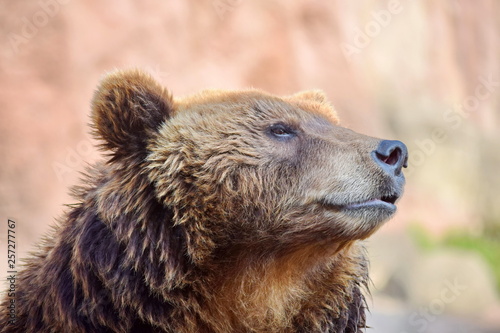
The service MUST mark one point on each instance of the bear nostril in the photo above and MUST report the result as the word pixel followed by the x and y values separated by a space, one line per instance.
pixel 392 156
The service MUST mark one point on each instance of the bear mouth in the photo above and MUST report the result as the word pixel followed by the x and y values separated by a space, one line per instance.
pixel 390 199
pixel 385 202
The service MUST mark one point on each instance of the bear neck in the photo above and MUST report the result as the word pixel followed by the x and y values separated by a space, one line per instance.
pixel 273 295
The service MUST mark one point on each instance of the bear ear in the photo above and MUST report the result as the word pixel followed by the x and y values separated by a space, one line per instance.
pixel 311 95
pixel 127 110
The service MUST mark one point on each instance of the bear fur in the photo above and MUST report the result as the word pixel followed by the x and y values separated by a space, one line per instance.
pixel 219 212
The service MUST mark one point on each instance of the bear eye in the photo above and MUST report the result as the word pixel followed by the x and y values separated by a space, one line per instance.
pixel 281 131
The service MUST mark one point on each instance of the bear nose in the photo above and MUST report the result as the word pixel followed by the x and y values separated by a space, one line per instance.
pixel 392 156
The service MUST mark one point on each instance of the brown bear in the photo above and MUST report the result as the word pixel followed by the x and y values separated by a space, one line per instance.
pixel 226 211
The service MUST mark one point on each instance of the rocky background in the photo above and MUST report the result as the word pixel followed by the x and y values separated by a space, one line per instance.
pixel 425 72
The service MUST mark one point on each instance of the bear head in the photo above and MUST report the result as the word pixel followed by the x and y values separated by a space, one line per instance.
pixel 249 170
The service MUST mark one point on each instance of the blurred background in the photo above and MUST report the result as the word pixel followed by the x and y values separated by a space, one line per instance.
pixel 424 72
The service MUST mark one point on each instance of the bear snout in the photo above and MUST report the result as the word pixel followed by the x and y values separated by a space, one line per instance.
pixel 391 156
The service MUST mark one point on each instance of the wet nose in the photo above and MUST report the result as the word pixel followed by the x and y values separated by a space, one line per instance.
pixel 392 156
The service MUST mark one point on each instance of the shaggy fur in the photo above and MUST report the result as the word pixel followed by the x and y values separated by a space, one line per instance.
pixel 219 212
